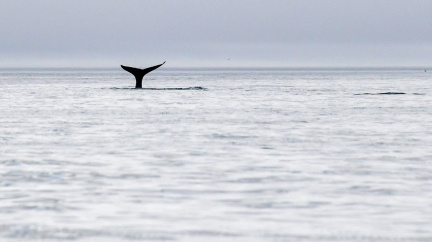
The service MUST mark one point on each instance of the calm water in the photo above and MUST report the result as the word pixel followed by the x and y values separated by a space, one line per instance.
pixel 253 156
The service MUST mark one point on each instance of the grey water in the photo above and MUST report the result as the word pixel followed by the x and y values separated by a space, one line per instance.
pixel 216 155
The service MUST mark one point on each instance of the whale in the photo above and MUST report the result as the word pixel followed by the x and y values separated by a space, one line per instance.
pixel 140 73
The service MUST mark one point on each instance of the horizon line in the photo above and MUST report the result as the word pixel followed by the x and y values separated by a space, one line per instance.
pixel 227 68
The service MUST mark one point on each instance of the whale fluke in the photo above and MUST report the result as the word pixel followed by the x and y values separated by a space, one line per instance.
pixel 140 73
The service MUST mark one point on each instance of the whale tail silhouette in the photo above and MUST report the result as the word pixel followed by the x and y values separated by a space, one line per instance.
pixel 140 73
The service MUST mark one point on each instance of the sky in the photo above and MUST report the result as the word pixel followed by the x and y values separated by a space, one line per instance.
pixel 206 33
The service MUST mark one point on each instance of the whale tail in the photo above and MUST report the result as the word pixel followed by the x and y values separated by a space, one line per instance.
pixel 140 73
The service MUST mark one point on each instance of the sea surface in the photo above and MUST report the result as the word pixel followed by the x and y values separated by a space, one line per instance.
pixel 216 155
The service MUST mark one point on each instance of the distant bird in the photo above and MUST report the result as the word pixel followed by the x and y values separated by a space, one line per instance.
pixel 140 73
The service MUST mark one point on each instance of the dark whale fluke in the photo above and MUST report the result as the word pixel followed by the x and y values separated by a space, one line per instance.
pixel 140 73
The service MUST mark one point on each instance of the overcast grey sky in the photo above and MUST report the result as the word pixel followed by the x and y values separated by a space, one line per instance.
pixel 194 33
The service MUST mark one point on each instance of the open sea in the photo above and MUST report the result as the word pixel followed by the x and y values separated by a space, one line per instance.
pixel 216 155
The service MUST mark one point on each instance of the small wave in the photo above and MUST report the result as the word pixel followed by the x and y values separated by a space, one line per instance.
pixel 162 89
pixel 382 93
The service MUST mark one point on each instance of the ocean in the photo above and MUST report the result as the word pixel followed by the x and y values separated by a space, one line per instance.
pixel 216 155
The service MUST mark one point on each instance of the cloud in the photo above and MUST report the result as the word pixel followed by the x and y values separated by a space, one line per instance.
pixel 199 32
